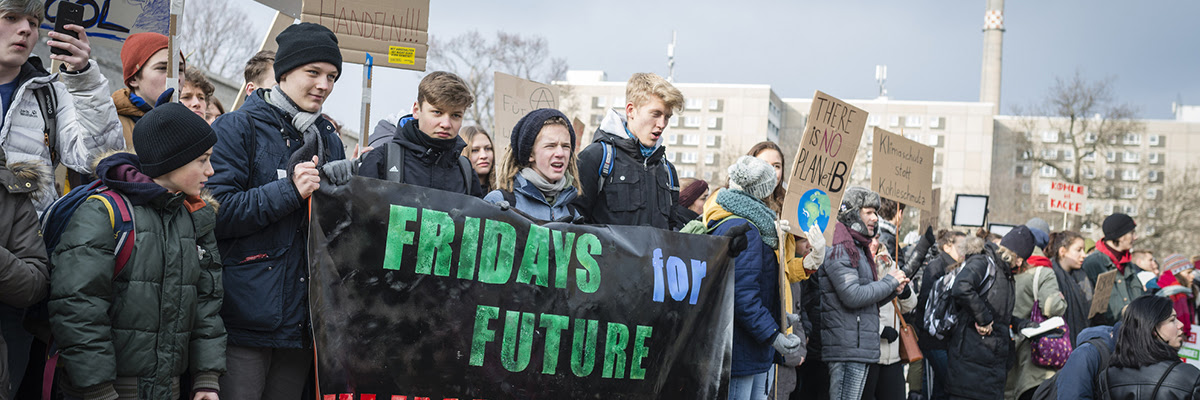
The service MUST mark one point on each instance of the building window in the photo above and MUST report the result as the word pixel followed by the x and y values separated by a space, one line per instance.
pixel 1067 173
pixel 688 173
pixel 1152 193
pixel 693 104
pixel 716 105
pixel 598 102
pixel 1088 172
pixel 1130 174
pixel 912 121
pixel 1044 188
pixel 1025 154
pixel 671 156
pixel 1048 171
pixel 937 176
pixel 688 157
pixel 937 158
pixel 873 120
pixel 1155 140
pixel 1155 158
pixel 937 123
pixel 1068 154
pixel 1090 137
pixel 1091 156
pixel 1131 210
pixel 1153 176
pixel 1025 187
pixel 1129 192
pixel 597 119
pixel 1131 157
pixel 937 140
pixel 1049 136
pixel 894 121
pixel 1111 156
pixel 691 121
pixel 710 158
pixel 1050 154
pixel 1110 174
pixel 713 141
pixel 691 140
pixel 708 175
pixel 714 122
pixel 1132 139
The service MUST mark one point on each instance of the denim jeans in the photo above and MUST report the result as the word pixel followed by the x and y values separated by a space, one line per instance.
pixel 936 363
pixel 846 380
pixel 750 387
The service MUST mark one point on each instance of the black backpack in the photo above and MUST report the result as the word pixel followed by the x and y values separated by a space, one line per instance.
pixel 1048 390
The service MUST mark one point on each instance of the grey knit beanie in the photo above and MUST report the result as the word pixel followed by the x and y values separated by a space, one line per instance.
pixel 753 176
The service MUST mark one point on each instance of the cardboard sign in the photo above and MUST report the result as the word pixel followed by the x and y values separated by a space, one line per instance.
pixel 515 97
pixel 109 22
pixel 290 8
pixel 1104 287
pixel 420 293
pixel 902 170
pixel 929 218
pixel 1068 198
pixel 1190 352
pixel 394 32
pixel 821 168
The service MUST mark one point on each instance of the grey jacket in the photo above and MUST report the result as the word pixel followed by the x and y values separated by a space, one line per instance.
pixel 850 301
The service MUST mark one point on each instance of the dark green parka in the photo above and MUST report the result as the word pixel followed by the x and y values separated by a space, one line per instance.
pixel 155 319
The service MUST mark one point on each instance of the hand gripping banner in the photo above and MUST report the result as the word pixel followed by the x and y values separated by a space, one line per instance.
pixel 419 293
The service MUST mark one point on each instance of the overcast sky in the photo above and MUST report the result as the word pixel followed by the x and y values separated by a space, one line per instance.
pixel 933 49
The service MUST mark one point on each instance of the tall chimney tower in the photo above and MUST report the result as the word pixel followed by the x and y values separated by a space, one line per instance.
pixel 993 39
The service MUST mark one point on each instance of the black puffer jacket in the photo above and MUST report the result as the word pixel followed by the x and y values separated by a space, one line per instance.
pixel 1138 383
pixel 979 362
pixel 639 191
pixel 428 162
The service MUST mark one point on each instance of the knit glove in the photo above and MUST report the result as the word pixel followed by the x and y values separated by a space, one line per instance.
pixel 889 334
pixel 784 226
pixel 339 172
pixel 787 343
pixel 737 239
pixel 817 256
pixel 794 321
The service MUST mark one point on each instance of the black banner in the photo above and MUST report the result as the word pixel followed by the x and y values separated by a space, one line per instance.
pixel 421 293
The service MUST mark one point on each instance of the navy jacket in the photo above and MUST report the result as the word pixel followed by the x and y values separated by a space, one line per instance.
pixel 1076 379
pixel 262 229
pixel 755 303
pixel 423 165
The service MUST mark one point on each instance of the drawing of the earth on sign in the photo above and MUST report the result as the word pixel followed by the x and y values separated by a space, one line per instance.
pixel 814 209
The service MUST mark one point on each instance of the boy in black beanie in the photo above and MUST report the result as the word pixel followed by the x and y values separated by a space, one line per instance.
pixel 132 334
pixel 272 154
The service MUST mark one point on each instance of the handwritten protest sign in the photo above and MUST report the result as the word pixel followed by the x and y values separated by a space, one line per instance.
pixel 929 218
pixel 821 169
pixel 902 170
pixel 515 97
pixel 1190 352
pixel 420 293
pixel 1068 198
pixel 394 32
pixel 109 22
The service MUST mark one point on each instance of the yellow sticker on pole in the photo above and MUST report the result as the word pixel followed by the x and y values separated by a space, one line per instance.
pixel 402 55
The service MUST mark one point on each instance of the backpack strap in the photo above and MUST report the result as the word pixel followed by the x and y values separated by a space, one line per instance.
pixel 509 197
pixel 671 177
pixel 1154 394
pixel 606 164
pixel 464 165
pixel 120 216
pixel 395 162
pixel 48 103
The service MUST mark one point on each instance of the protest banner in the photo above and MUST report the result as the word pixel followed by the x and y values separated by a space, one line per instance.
pixel 109 22
pixel 394 32
pixel 902 170
pixel 1067 198
pixel 429 294
pixel 929 218
pixel 821 169
pixel 515 97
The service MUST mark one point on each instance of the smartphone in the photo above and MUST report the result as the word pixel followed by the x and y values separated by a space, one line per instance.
pixel 68 13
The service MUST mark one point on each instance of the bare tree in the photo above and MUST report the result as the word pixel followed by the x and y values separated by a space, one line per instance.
pixel 1173 215
pixel 1076 123
pixel 475 59
pixel 216 36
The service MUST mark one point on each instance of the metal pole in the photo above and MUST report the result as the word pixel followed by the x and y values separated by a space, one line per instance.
pixel 366 102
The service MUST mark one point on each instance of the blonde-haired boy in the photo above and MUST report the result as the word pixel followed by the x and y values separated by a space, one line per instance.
pixel 625 176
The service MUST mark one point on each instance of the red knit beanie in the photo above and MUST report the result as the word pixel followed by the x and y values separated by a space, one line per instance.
pixel 138 49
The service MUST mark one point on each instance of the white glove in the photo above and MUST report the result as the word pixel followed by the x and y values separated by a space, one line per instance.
pixel 817 256
pixel 784 225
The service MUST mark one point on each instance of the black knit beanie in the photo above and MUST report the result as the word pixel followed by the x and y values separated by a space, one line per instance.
pixel 1117 225
pixel 1020 240
pixel 170 136
pixel 525 132
pixel 306 43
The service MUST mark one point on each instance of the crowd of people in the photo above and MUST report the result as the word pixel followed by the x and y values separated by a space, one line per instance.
pixel 180 272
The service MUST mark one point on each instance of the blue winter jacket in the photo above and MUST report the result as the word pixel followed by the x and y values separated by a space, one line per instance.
pixel 262 228
pixel 755 303
pixel 1077 377
pixel 533 203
